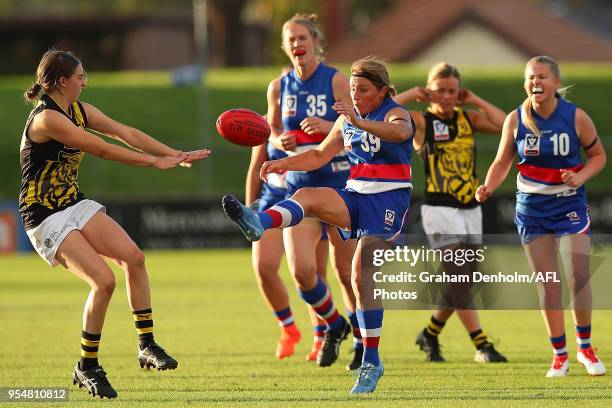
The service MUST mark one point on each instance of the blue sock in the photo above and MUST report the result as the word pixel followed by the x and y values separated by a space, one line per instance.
pixel 286 213
pixel 370 324
pixel 320 300
pixel 357 340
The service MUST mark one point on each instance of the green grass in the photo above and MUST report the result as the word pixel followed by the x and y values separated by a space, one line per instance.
pixel 147 101
pixel 209 314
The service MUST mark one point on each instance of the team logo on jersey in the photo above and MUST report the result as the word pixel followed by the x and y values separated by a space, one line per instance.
pixel 573 217
pixel 348 138
pixel 532 145
pixel 289 105
pixel 389 217
pixel 441 131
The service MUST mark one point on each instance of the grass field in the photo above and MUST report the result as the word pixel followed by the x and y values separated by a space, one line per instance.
pixel 209 314
pixel 148 101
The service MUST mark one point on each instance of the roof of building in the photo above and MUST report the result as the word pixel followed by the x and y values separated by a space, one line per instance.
pixel 411 26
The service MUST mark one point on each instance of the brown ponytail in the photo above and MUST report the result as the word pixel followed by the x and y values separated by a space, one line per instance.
pixel 53 65
pixel 32 92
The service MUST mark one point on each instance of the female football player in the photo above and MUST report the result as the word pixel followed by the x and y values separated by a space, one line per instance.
pixel 300 115
pixel 548 132
pixel 68 229
pixel 445 141
pixel 372 208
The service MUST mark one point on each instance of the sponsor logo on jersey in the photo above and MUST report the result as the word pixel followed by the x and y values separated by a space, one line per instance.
pixel 573 217
pixel 567 193
pixel 389 217
pixel 289 105
pixel 340 166
pixel 532 145
pixel 441 131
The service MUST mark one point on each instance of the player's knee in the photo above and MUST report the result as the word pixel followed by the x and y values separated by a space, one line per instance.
pixel 304 195
pixel 135 258
pixel 344 276
pixel 265 269
pixel 303 275
pixel 105 285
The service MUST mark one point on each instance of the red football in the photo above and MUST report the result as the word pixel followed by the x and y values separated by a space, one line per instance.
pixel 243 127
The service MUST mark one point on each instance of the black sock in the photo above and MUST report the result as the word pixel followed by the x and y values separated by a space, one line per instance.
pixel 143 319
pixel 478 338
pixel 89 350
pixel 434 327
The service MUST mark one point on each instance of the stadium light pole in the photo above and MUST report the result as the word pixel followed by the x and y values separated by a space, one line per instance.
pixel 200 37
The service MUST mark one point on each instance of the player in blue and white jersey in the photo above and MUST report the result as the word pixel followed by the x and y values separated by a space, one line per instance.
pixel 376 133
pixel 268 252
pixel 548 132
pixel 300 115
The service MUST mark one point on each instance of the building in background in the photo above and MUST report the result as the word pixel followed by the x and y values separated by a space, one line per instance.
pixel 473 32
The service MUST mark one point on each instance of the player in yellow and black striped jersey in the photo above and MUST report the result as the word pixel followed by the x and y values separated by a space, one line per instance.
pixel 50 170
pixel 449 155
pixel 451 215
pixel 65 227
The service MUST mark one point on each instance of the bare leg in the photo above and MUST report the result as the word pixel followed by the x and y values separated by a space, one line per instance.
pixel 575 251
pixel 77 255
pixel 267 254
pixel 108 239
pixel 342 253
pixel 541 253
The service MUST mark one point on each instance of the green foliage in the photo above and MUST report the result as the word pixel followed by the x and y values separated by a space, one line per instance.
pixel 93 7
pixel 209 314
pixel 148 101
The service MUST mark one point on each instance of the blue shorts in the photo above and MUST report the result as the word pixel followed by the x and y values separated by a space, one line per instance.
pixel 383 214
pixel 268 200
pixel 573 222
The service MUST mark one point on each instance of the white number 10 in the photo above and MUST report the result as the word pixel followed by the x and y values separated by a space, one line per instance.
pixel 560 144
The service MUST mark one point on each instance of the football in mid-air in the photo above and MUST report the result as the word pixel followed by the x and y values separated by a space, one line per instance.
pixel 243 127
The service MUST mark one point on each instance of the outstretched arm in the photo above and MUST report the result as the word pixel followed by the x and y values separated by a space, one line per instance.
pixel 53 125
pixel 311 159
pixel 133 137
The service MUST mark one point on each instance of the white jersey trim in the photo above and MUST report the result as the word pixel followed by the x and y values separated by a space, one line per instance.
pixel 532 187
pixel 277 180
pixel 374 187
pixel 305 148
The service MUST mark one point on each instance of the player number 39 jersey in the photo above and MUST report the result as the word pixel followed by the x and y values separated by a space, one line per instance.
pixel 377 165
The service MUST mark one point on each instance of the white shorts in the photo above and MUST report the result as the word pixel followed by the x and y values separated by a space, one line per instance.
pixel 48 236
pixel 449 226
